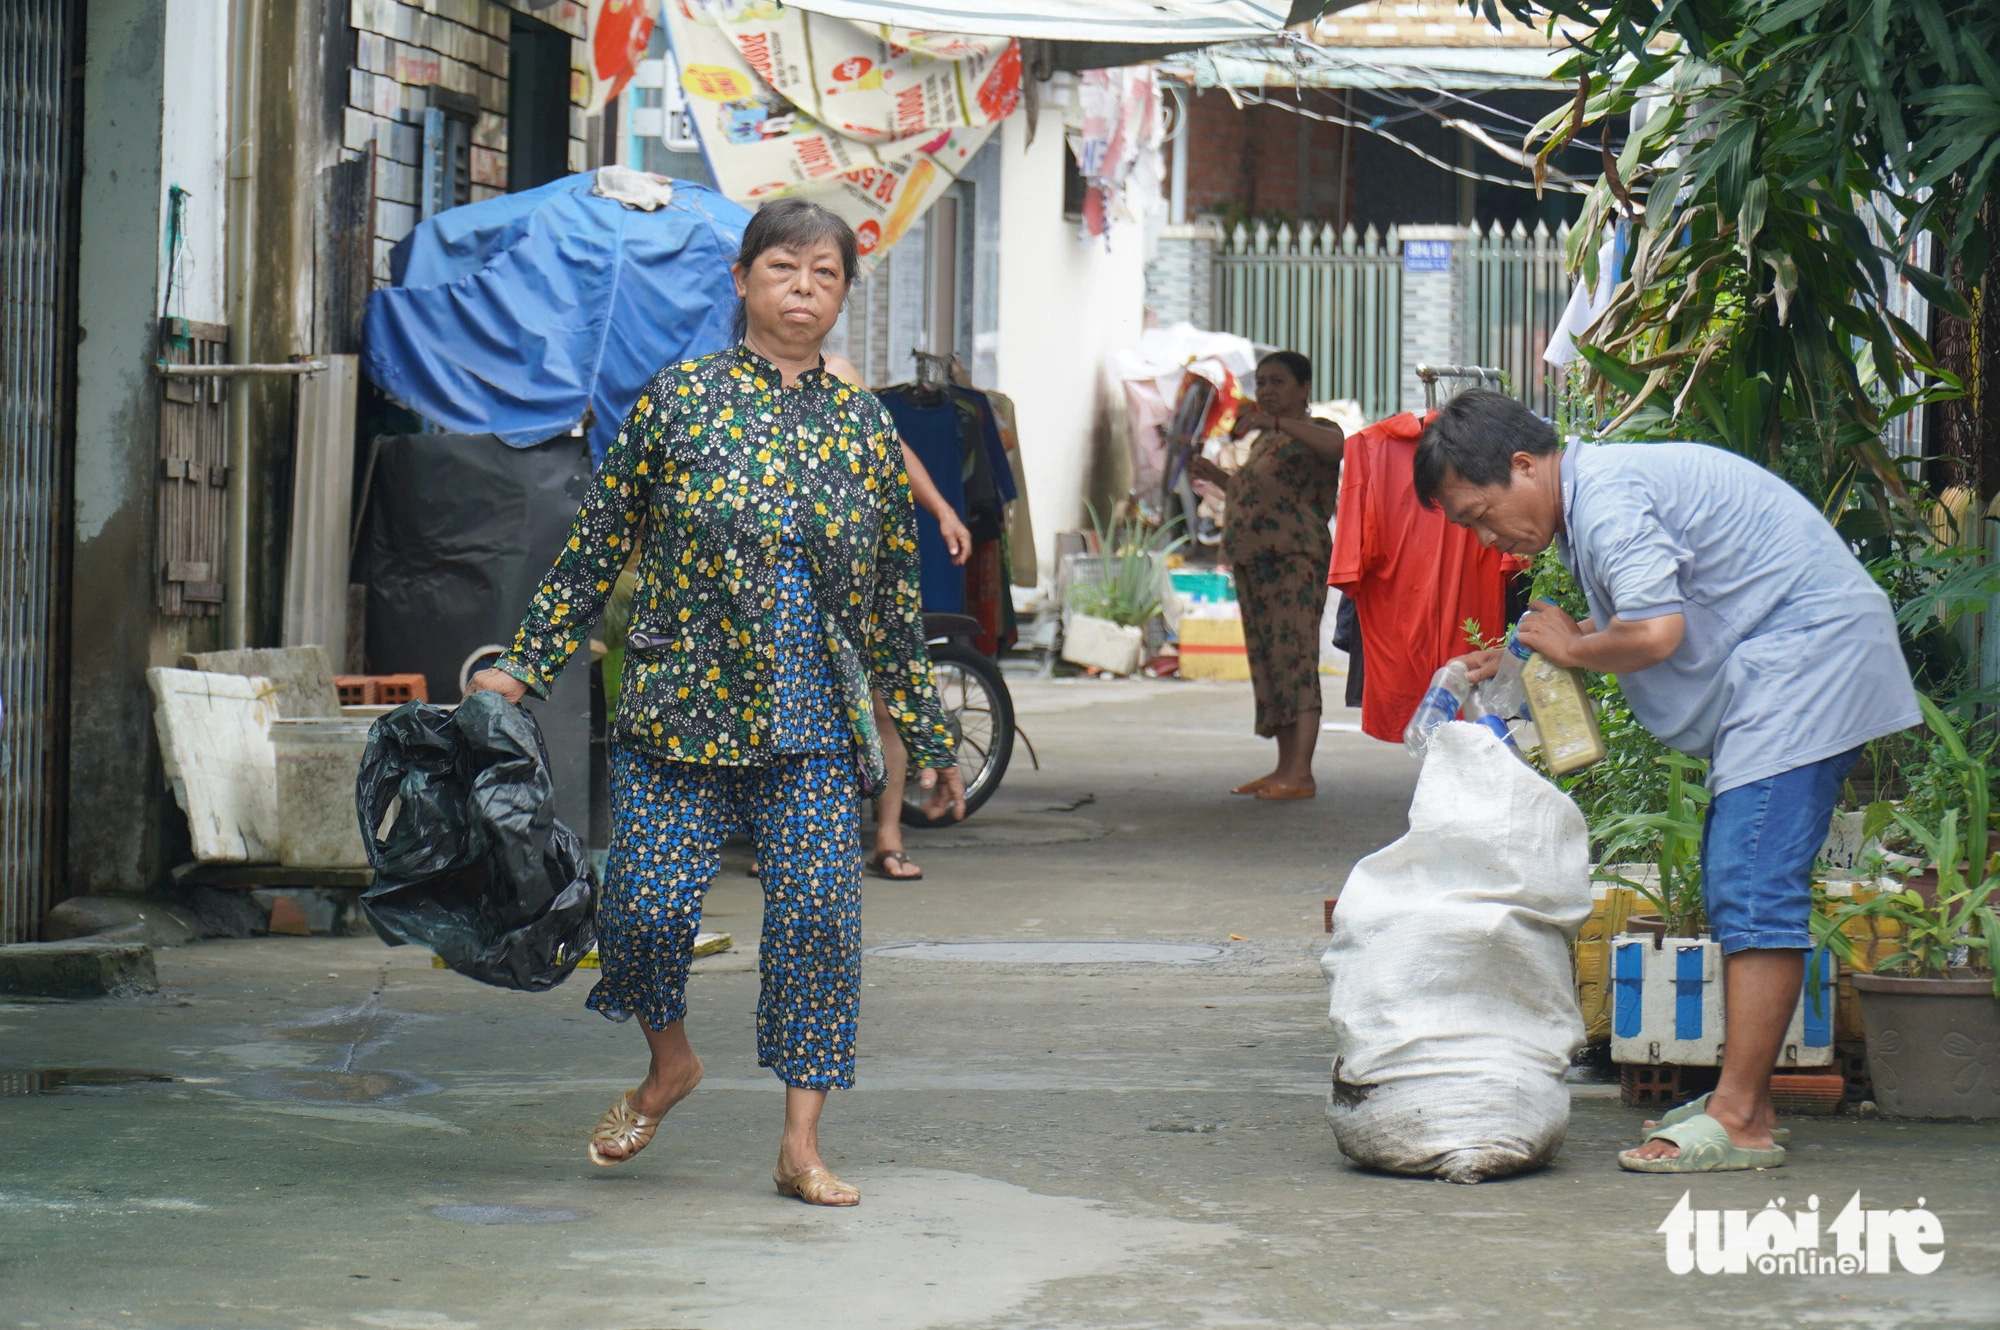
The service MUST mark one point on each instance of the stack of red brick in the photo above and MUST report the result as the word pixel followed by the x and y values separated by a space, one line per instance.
pixel 381 690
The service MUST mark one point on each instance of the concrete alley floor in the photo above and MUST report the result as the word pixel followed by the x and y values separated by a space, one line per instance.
pixel 352 1138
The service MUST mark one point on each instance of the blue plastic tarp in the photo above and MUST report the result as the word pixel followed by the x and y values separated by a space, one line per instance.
pixel 510 316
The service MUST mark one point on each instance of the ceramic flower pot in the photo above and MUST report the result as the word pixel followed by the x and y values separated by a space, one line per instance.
pixel 1933 1046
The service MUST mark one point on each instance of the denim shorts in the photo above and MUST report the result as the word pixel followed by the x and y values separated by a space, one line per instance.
pixel 1757 851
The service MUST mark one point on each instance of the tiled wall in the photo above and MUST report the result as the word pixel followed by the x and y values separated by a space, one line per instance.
pixel 1179 276
pixel 402 48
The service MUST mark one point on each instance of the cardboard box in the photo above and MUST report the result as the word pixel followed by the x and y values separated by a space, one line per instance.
pixel 1213 649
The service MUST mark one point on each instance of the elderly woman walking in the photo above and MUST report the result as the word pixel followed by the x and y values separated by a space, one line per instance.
pixel 1276 539
pixel 777 583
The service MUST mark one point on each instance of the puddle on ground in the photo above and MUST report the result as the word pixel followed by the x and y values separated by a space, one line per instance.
pixel 508 1214
pixel 350 1034
pixel 357 1029
pixel 328 1085
pixel 1052 953
pixel 65 1080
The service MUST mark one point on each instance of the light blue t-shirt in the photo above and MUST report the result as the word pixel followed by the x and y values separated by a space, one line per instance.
pixel 1791 653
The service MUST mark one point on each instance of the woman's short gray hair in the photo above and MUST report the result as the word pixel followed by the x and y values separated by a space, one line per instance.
pixel 794 224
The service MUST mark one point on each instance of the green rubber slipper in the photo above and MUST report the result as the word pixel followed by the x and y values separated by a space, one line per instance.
pixel 1705 1148
pixel 1696 1107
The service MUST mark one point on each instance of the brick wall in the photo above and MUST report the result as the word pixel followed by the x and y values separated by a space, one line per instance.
pixel 1263 158
pixel 405 48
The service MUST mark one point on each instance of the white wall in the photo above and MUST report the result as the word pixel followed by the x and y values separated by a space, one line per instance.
pixel 193 151
pixel 1065 304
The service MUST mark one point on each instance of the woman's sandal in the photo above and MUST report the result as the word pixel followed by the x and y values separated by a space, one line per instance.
pixel 817 1186
pixel 1252 786
pixel 878 864
pixel 1284 789
pixel 625 1127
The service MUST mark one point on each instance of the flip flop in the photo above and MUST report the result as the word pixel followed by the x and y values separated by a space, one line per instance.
pixel 1673 1117
pixel 1705 1147
pixel 1252 786
pixel 879 861
pixel 1283 789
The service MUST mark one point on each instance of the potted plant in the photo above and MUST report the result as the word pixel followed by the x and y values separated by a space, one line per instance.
pixel 1675 889
pixel 1106 610
pixel 1932 1009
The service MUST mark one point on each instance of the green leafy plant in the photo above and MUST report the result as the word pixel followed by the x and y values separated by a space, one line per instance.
pixel 1791 155
pixel 1126 589
pixel 1477 639
pixel 1956 928
pixel 1675 834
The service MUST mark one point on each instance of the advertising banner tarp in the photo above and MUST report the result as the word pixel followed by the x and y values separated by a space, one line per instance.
pixel 871 121
pixel 619 33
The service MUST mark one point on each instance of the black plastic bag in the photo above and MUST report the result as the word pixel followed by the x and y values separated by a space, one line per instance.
pixel 475 865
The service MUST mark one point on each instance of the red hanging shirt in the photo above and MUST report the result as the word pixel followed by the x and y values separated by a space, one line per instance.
pixel 1415 577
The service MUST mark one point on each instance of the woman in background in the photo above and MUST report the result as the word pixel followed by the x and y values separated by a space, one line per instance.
pixel 1276 540
pixel 889 859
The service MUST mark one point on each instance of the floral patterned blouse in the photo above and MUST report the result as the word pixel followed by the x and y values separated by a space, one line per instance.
pixel 710 462
pixel 1281 499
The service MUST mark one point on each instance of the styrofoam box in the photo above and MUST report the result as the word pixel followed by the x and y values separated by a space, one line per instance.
pixel 1108 646
pixel 1667 1006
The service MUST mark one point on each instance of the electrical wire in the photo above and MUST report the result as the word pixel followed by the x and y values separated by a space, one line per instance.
pixel 1556 180
pixel 1302 53
pixel 1290 49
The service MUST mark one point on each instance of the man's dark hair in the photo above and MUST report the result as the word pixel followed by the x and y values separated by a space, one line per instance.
pixel 1476 434
pixel 795 224
pixel 1296 365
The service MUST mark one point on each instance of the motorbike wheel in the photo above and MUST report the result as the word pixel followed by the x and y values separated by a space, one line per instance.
pixel 980 713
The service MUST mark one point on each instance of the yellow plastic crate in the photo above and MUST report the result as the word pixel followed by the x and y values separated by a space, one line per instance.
pixel 1610 906
pixel 1213 649
pixel 1874 939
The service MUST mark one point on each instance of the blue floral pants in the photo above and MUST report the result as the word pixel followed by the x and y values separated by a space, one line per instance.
pixel 668 822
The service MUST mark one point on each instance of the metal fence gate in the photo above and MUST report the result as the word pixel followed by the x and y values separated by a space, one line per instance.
pixel 1340 300
pixel 1336 298
pixel 39 121
pixel 1516 291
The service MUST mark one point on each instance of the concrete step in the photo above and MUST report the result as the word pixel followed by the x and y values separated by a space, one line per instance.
pixel 84 968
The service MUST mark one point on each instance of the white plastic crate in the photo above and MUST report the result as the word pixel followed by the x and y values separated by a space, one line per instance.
pixel 1667 1006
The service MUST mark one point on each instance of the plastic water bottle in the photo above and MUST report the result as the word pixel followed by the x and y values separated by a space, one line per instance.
pixel 1442 700
pixel 1505 695
pixel 1480 713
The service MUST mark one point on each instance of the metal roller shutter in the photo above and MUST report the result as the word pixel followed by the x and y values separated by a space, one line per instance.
pixel 39 126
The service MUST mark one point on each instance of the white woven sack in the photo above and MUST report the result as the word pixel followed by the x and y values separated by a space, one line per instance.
pixel 1454 1010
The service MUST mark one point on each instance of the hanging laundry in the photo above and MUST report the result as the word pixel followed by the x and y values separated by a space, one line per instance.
pixel 1118 150
pixel 986 598
pixel 989 480
pixel 931 424
pixel 1414 577
pixel 1022 567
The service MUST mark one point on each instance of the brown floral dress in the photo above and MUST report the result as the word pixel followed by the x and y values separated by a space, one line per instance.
pixel 1276 540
